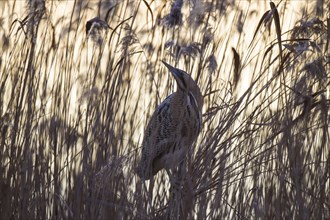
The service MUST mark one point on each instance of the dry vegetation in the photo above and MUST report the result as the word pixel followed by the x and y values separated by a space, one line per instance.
pixel 74 102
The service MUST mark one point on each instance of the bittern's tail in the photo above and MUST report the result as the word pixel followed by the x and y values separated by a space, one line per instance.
pixel 143 172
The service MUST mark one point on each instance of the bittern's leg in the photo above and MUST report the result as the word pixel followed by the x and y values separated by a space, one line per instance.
pixel 182 170
pixel 176 194
pixel 174 181
pixel 151 194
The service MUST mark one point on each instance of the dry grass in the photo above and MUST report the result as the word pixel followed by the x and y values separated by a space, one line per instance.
pixel 73 108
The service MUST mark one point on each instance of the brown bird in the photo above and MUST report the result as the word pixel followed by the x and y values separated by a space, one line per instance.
pixel 172 128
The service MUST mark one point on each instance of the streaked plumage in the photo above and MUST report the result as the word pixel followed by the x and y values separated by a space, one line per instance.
pixel 172 128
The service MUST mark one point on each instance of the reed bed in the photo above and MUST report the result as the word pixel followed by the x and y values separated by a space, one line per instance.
pixel 77 91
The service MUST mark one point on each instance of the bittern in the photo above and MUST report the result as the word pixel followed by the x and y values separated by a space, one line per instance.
pixel 172 128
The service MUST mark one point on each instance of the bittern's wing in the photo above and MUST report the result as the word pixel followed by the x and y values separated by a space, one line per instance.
pixel 159 137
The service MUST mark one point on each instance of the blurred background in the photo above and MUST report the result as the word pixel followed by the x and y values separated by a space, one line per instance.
pixel 80 79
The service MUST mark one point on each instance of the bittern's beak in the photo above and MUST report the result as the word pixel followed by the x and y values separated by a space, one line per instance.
pixel 177 74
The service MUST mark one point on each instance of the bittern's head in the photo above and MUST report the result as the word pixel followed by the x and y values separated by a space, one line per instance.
pixel 186 83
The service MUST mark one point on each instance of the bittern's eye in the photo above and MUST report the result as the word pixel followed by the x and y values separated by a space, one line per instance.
pixel 183 80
